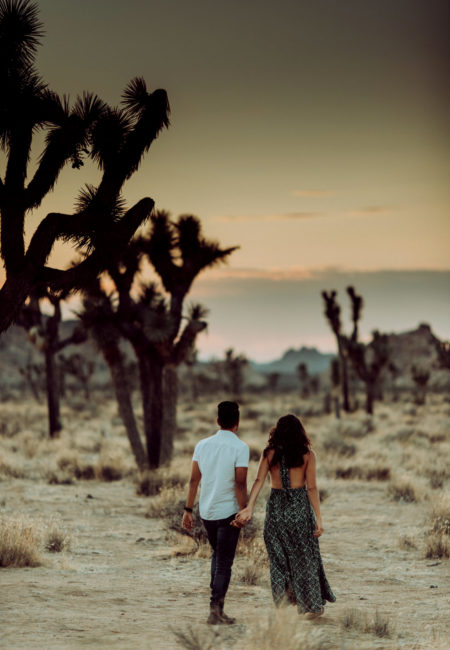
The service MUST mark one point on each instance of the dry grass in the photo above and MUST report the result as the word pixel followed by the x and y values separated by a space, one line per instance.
pixel 151 483
pixel 335 445
pixel 363 472
pixel 406 543
pixel 20 539
pixel 437 543
pixel 354 619
pixel 403 489
pixel 111 465
pixel 56 538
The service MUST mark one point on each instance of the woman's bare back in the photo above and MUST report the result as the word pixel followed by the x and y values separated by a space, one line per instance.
pixel 297 475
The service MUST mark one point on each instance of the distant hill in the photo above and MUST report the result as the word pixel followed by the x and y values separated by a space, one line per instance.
pixel 316 362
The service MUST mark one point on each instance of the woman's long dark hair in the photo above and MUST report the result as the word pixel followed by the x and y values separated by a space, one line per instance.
pixel 288 438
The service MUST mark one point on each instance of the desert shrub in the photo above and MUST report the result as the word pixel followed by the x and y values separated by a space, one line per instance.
pixel 20 539
pixel 283 628
pixel 406 543
pixel 152 482
pixel 196 638
pixel 56 538
pixel 437 546
pixel 375 472
pixel 403 489
pixel 71 465
pixel 338 446
pixel 250 573
pixel 11 467
pixel 110 466
pixel 356 428
pixel 255 453
pixel 355 619
pixel 59 478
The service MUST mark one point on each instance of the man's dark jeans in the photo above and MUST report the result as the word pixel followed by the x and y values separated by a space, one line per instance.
pixel 223 538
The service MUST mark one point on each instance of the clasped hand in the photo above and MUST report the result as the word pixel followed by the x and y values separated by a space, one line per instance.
pixel 242 518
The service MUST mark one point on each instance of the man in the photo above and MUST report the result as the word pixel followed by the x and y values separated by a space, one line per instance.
pixel 221 463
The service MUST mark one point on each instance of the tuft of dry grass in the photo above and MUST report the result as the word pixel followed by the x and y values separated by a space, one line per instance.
pixel 195 638
pixel 363 472
pixel 437 543
pixel 56 538
pixel 406 543
pixel 151 483
pixel 338 446
pixel 251 573
pixel 20 539
pixel 403 489
pixel 355 619
pixel 283 628
pixel 110 466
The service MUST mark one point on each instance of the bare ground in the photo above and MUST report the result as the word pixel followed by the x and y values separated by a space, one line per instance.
pixel 119 587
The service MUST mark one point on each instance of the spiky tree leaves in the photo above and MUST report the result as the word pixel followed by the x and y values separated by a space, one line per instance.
pixel 115 138
pixel 152 319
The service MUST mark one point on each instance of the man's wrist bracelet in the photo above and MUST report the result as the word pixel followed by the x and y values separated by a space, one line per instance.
pixel 188 509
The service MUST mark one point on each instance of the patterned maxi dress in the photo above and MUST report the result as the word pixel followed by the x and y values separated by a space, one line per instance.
pixel 296 569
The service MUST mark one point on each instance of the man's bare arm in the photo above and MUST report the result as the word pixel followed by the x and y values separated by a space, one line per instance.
pixel 196 475
pixel 241 486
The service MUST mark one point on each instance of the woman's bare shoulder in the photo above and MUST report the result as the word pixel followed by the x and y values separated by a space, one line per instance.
pixel 311 454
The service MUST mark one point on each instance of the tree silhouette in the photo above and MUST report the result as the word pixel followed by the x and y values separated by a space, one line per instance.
pixel 368 360
pixel 152 320
pixel 333 315
pixel 114 138
pixel 43 332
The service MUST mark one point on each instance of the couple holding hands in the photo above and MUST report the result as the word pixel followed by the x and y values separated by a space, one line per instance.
pixel 292 524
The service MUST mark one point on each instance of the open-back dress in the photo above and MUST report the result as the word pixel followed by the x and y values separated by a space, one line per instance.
pixel 296 569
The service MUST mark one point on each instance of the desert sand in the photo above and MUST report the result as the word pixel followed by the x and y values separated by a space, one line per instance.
pixel 126 580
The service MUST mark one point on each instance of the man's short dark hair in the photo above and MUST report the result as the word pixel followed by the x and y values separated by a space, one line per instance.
pixel 228 414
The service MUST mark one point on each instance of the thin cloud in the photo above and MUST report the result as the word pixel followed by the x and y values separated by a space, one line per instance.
pixel 371 209
pixel 312 194
pixel 269 217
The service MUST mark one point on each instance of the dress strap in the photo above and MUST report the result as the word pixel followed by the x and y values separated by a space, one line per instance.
pixel 284 471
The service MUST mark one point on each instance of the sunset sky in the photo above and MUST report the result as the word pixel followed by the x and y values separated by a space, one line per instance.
pixel 312 133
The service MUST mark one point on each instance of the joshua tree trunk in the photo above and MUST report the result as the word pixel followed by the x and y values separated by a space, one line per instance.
pixel 170 389
pixel 344 376
pixel 154 411
pixel 370 395
pixel 12 296
pixel 114 359
pixel 51 375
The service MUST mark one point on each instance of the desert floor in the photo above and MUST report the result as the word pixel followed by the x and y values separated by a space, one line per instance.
pixel 126 580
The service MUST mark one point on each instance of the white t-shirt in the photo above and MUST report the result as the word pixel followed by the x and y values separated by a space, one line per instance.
pixel 217 457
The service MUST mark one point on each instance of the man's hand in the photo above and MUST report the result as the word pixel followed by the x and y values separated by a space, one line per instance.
pixel 188 522
pixel 242 518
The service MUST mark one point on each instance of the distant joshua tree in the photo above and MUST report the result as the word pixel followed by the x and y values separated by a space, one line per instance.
pixel 43 332
pixel 333 315
pixel 420 376
pixel 233 368
pixel 115 138
pixel 273 379
pixel 368 360
pixel 303 376
pixel 153 322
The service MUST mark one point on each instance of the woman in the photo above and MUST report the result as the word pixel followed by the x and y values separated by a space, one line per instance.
pixel 291 530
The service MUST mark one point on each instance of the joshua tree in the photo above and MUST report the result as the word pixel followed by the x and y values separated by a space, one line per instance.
pixel 368 360
pixel 273 379
pixel 303 376
pixel 43 332
pixel 420 377
pixel 115 138
pixel 233 368
pixel 333 315
pixel 152 321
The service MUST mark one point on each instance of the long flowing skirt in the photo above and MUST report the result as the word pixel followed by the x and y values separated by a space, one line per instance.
pixel 296 569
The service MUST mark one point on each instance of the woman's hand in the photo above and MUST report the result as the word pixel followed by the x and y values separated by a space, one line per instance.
pixel 242 518
pixel 319 527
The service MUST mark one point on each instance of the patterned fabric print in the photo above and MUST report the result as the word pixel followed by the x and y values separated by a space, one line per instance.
pixel 296 569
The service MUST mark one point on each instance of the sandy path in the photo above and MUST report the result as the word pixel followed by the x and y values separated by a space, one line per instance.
pixel 111 590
